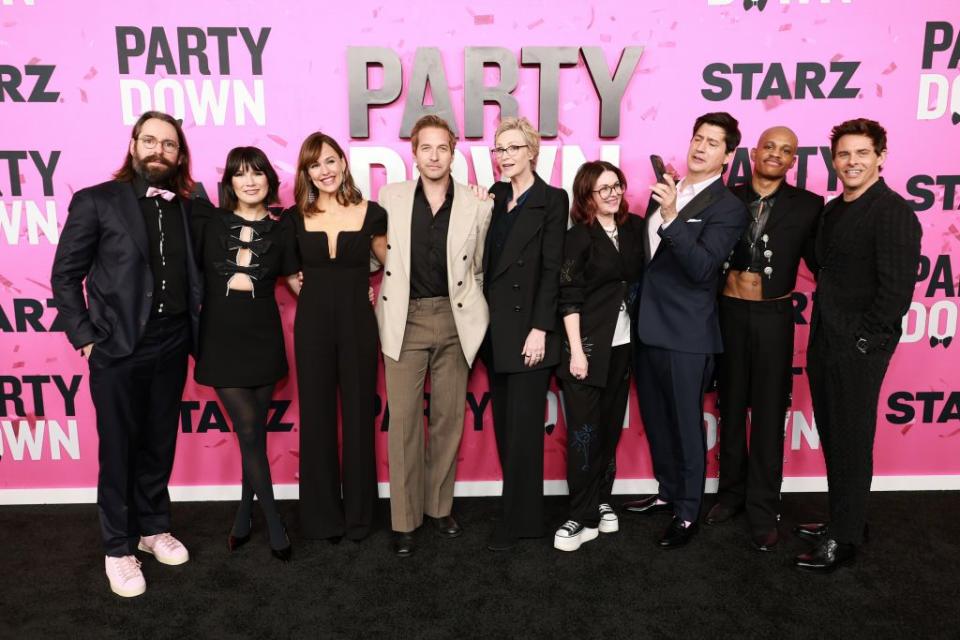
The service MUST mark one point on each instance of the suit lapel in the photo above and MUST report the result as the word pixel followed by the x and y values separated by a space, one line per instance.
pixel 402 212
pixel 128 210
pixel 461 221
pixel 528 222
pixel 781 206
pixel 853 217
pixel 627 243
pixel 700 202
pixel 651 208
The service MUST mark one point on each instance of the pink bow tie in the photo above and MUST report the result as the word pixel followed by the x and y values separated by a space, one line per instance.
pixel 163 193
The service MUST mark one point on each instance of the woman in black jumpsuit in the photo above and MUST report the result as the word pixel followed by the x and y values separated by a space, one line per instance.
pixel 336 343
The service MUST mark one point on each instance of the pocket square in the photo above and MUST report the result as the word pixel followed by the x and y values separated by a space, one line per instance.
pixel 694 220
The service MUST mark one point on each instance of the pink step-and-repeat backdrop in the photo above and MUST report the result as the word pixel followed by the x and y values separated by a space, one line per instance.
pixel 613 80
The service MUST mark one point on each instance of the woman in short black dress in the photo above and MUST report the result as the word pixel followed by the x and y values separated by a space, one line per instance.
pixel 243 250
pixel 336 342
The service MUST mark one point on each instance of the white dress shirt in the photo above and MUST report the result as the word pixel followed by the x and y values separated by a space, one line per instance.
pixel 685 193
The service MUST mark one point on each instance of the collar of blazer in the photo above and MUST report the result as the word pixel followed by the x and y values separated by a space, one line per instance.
pixel 397 199
pixel 785 194
pixel 699 203
pixel 528 223
pixel 853 218
pixel 625 240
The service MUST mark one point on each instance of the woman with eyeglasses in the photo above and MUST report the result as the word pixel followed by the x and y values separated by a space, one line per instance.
pixel 336 342
pixel 602 261
pixel 244 250
pixel 524 249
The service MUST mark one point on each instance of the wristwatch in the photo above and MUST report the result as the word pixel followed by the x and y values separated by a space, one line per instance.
pixel 862 345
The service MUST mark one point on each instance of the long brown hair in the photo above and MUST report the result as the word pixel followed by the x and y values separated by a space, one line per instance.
pixel 305 191
pixel 181 181
pixel 584 211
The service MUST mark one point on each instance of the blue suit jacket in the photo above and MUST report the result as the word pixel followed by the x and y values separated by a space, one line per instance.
pixel 678 292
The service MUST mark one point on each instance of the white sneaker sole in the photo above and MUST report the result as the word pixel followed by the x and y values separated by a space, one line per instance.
pixel 128 593
pixel 609 526
pixel 572 544
pixel 162 559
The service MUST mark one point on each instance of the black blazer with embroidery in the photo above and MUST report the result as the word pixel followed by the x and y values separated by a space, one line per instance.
pixel 595 280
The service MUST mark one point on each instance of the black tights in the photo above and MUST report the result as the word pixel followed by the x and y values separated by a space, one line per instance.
pixel 247 408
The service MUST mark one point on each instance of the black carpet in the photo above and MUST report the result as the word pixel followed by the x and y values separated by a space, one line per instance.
pixel 905 583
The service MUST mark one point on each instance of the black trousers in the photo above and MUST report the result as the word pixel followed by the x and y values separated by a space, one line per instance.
pixel 594 417
pixel 755 372
pixel 670 387
pixel 519 401
pixel 137 400
pixel 327 369
pixel 845 387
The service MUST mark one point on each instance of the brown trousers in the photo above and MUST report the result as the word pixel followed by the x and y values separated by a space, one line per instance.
pixel 421 476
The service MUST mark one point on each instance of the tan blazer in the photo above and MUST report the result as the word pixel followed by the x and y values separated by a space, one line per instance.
pixel 469 219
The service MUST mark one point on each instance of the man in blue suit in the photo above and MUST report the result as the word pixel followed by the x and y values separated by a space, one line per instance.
pixel 690 228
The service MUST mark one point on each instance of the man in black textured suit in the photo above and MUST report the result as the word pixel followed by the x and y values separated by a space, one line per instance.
pixel 128 240
pixel 755 370
pixel 689 230
pixel 868 249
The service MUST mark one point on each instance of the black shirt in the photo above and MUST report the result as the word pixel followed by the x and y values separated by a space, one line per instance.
pixel 749 254
pixel 500 226
pixel 168 251
pixel 428 245
pixel 832 218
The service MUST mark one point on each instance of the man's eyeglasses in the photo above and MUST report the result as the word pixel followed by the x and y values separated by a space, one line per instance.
pixel 507 151
pixel 608 190
pixel 149 142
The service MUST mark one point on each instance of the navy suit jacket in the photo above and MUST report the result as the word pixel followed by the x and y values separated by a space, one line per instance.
pixel 678 292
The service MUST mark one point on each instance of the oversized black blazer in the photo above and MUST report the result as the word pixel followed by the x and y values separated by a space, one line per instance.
pixel 677 307
pixel 595 280
pixel 868 270
pixel 522 287
pixel 104 245
pixel 791 230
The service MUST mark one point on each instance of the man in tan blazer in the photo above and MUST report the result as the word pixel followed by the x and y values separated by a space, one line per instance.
pixel 432 316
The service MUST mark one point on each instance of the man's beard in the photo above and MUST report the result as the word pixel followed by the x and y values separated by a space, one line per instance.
pixel 154 175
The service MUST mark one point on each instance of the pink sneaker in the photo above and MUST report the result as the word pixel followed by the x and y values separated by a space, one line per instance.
pixel 165 548
pixel 125 577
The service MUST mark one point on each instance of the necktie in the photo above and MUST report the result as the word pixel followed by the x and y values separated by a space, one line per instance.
pixel 163 193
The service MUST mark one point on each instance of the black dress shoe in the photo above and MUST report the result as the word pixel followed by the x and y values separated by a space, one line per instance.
pixel 676 535
pixel 648 505
pixel 403 544
pixel 826 556
pixel 816 531
pixel 447 526
pixel 765 540
pixel 721 513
